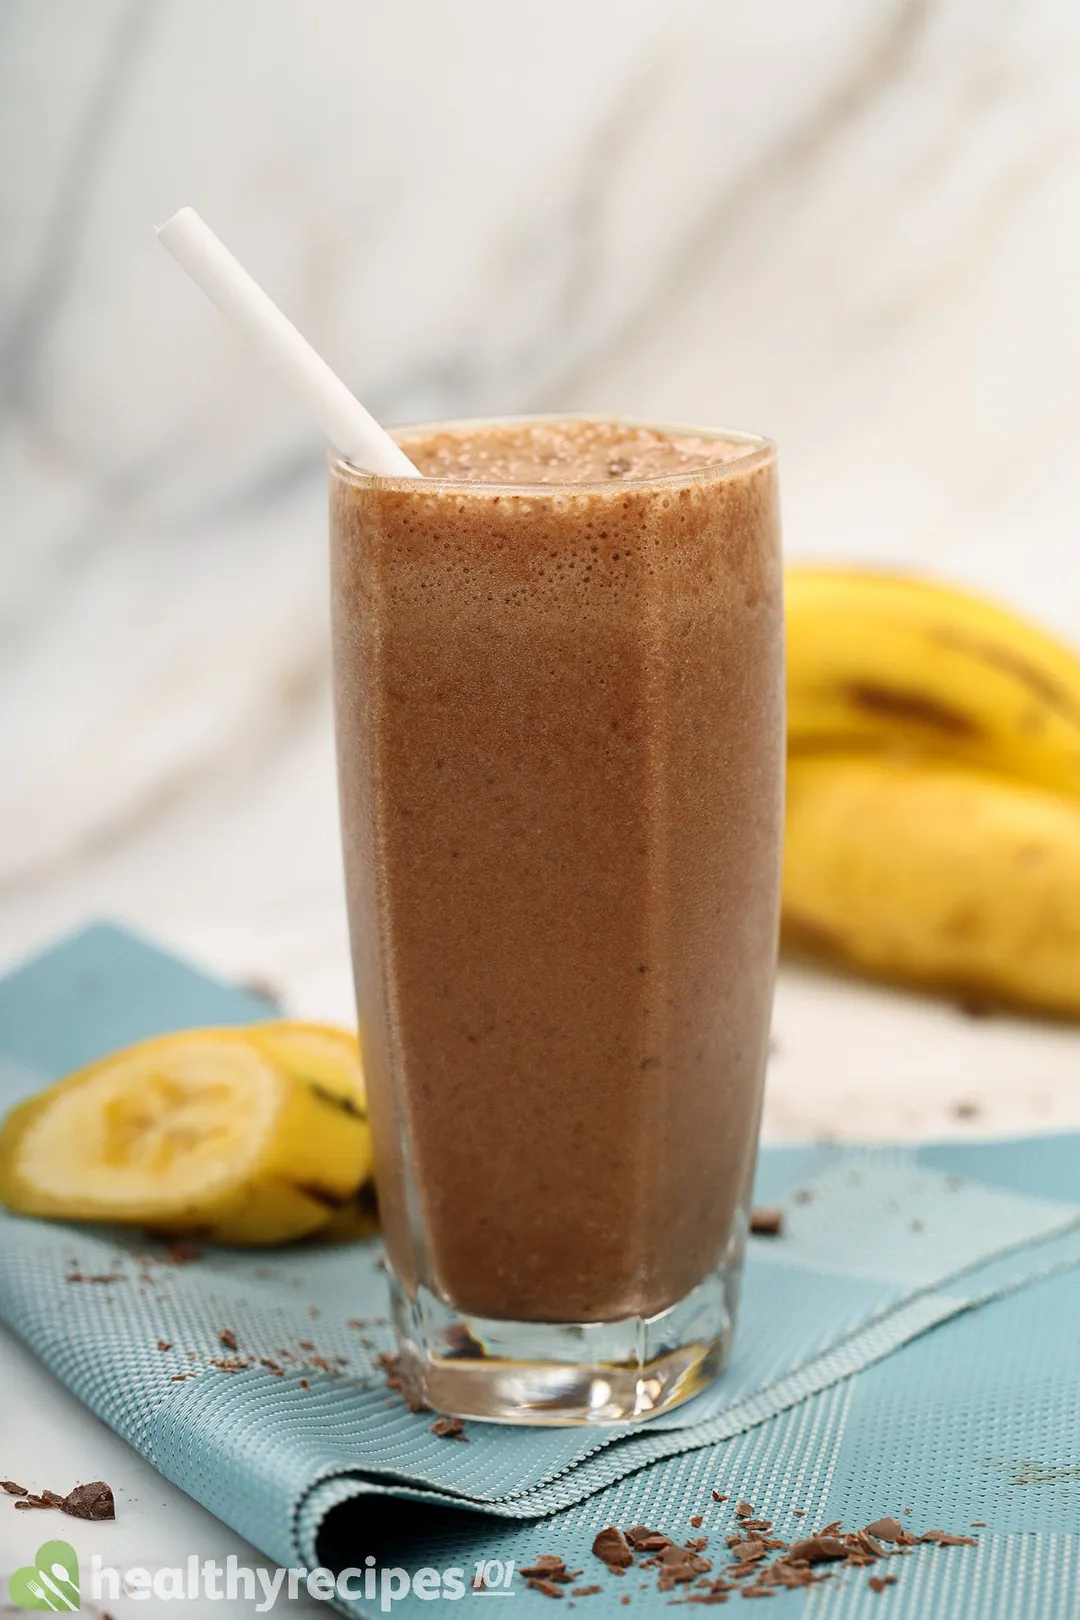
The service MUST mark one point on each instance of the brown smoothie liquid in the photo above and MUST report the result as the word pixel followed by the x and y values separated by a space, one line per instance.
pixel 559 694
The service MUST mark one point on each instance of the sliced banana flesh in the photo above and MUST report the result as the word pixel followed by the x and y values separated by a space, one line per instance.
pixel 248 1136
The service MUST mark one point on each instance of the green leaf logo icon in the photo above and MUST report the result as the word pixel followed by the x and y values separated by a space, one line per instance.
pixel 50 1582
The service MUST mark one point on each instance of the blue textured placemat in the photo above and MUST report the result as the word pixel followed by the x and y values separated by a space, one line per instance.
pixel 888 1244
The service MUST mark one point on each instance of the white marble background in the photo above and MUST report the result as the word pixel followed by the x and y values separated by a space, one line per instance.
pixel 853 224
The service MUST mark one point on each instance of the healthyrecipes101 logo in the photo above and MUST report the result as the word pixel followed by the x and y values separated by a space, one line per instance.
pixel 52 1582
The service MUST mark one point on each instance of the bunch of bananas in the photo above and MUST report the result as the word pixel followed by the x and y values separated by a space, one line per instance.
pixel 253 1135
pixel 933 818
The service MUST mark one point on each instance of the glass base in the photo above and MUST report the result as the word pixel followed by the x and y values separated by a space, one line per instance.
pixel 560 1373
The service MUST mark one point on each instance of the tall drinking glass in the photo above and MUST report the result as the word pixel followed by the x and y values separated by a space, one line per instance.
pixel 558 674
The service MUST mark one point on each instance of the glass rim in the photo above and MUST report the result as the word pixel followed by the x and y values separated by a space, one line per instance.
pixel 759 451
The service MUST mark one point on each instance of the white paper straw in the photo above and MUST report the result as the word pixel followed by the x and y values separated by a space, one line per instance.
pixel 348 426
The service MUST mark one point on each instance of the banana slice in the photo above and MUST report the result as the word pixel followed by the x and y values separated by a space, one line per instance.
pixel 321 1054
pixel 217 1132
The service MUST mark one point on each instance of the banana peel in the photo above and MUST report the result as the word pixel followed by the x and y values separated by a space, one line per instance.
pixel 931 874
pixel 878 659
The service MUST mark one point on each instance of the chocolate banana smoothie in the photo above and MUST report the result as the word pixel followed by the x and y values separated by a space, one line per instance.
pixel 559 704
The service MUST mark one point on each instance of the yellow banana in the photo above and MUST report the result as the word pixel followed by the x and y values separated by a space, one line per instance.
pixel 248 1136
pixel 935 874
pixel 886 658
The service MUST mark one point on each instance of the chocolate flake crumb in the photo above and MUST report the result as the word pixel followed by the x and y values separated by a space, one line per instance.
pixel 449 1428
pixel 751 1573
pixel 164 1344
pixel 642 1539
pixel 697 1520
pixel 887 1529
pixel 228 1338
pixel 767 1222
pixel 397 1378
pixel 585 1591
pixel 816 1550
pixel 548 1588
pixel 92 1501
pixel 612 1549
pixel 12 1489
pixel 717 1497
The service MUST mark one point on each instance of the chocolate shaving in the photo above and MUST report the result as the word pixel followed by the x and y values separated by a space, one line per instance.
pixel 767 1222
pixel 751 1574
pixel 92 1501
pixel 611 1548
pixel 585 1591
pixel 816 1550
pixel 228 1338
pixel 642 1539
pixel 697 1520
pixel 548 1588
pixel 886 1529
pixel 12 1489
pixel 747 1552
pixel 548 1566
pixel 399 1379
pixel 449 1428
